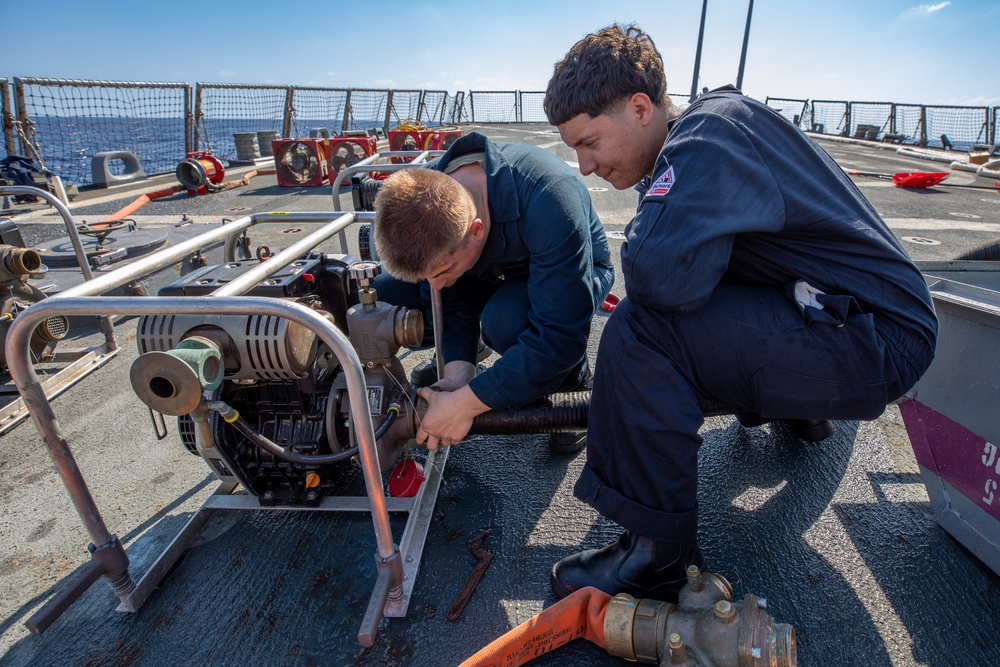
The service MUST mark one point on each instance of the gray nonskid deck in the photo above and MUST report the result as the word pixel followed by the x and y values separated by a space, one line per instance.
pixel 838 536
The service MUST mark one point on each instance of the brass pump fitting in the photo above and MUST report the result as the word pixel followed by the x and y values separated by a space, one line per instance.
pixel 377 330
pixel 705 628
pixel 364 274
pixel 17 262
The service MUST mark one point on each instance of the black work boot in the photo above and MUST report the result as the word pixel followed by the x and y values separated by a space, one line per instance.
pixel 634 565
pixel 810 430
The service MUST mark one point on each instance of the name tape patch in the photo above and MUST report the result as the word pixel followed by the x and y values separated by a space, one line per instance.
pixel 663 184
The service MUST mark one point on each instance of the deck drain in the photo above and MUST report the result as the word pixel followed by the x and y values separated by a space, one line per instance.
pixel 596 189
pixel 238 208
pixel 292 230
pixel 920 240
pixel 615 235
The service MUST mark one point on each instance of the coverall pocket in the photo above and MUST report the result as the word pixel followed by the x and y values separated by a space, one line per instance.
pixel 781 394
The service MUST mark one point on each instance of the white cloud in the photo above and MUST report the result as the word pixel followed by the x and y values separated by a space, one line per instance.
pixel 226 72
pixel 383 83
pixel 921 11
pixel 329 74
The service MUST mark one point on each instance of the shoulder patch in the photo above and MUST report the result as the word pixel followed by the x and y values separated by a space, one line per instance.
pixel 662 185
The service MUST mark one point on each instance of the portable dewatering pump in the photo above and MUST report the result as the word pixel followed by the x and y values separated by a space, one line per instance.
pixel 262 399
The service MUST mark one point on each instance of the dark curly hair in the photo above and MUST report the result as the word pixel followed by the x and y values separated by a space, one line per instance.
pixel 602 70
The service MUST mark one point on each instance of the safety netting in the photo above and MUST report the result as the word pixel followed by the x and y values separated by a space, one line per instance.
pixel 63 123
pixel 494 106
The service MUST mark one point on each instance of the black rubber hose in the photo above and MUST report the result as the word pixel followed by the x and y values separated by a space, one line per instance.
pixel 567 411
pixel 389 419
pixel 243 427
pixel 556 412
pixel 987 252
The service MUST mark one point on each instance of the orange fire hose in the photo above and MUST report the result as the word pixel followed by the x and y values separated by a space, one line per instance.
pixel 580 614
pixel 240 182
pixel 142 200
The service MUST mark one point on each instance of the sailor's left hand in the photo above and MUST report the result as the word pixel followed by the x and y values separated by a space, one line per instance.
pixel 449 416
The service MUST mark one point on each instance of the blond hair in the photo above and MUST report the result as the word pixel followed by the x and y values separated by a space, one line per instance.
pixel 421 215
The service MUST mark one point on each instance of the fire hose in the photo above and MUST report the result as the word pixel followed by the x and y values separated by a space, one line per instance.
pixel 705 628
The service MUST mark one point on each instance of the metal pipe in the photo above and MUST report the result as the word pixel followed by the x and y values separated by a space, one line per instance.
pixel 697 53
pixel 23 373
pixel 81 256
pixel 437 315
pixel 159 260
pixel 247 281
pixel 104 322
pixel 746 41
pixel 229 252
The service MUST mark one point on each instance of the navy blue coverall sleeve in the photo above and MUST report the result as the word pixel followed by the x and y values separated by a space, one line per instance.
pixel 679 244
pixel 560 283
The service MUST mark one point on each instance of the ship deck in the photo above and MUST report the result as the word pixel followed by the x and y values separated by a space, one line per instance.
pixel 839 536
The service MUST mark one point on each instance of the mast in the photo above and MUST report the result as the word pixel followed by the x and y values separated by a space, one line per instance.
pixel 697 55
pixel 743 55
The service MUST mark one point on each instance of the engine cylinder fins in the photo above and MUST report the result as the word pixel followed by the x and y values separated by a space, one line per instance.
pixel 263 347
pixel 275 348
pixel 173 382
pixel 53 328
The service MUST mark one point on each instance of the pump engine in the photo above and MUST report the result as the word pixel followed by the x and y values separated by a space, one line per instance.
pixel 287 431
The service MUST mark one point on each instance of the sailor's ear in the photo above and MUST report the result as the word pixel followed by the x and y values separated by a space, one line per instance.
pixel 477 229
pixel 641 107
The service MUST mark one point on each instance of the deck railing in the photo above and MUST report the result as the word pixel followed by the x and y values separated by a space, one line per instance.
pixel 63 123
pixel 936 126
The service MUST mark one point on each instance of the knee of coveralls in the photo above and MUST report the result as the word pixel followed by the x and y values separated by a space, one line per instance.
pixel 505 316
pixel 755 348
pixel 642 443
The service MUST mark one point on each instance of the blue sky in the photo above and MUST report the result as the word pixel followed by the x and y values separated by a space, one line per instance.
pixel 888 50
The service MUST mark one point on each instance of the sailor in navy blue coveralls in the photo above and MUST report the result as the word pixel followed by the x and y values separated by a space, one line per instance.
pixel 543 273
pixel 757 275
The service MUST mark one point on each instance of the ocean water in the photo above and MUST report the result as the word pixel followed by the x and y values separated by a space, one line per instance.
pixel 68 144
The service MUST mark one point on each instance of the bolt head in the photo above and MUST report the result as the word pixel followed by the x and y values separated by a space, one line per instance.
pixel 724 609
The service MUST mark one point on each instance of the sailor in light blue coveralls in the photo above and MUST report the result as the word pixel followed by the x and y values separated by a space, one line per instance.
pixel 756 274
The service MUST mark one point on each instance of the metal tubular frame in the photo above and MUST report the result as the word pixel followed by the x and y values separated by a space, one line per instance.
pixel 83 361
pixel 396 566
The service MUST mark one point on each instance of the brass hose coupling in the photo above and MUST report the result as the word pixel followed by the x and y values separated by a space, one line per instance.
pixel 705 628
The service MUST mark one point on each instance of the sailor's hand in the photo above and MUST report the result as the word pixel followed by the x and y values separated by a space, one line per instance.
pixel 457 374
pixel 449 416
